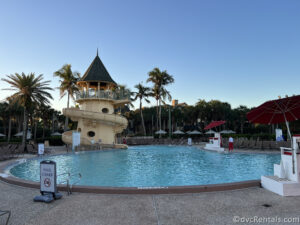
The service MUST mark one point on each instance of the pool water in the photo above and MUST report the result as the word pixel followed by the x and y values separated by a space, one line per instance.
pixel 154 166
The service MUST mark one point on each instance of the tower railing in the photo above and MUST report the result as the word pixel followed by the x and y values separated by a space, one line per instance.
pixel 104 94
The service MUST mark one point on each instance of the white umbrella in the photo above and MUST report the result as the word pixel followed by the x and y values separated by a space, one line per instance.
pixel 231 132
pixel 188 132
pixel 178 132
pixel 227 132
pixel 160 132
pixel 20 134
pixel 56 134
pixel 195 132
pixel 2 135
pixel 210 132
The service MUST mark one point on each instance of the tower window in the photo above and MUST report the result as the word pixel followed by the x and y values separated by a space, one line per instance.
pixel 91 133
pixel 105 110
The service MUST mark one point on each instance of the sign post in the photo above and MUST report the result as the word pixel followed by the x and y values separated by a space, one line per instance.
pixel 189 141
pixel 48 186
pixel 41 149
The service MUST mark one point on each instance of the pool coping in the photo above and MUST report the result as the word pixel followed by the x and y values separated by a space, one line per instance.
pixel 128 190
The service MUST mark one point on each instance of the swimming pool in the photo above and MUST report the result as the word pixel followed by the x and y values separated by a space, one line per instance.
pixel 154 166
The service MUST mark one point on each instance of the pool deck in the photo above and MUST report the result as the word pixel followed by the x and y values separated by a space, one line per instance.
pixel 222 207
pixel 181 209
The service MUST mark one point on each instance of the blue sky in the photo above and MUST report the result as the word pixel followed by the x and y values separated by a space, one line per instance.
pixel 241 52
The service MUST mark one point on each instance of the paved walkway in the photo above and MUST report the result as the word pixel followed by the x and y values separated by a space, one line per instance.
pixel 186 209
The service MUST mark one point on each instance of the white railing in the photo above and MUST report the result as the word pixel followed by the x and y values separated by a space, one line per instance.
pixel 107 94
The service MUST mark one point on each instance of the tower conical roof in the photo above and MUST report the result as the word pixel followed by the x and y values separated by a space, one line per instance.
pixel 97 72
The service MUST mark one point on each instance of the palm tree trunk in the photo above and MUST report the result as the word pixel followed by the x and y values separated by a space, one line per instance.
pixel 31 123
pixel 44 125
pixel 19 121
pixel 4 126
pixel 52 129
pixel 67 118
pixel 35 128
pixel 156 114
pixel 242 127
pixel 9 129
pixel 143 123
pixel 25 124
pixel 159 114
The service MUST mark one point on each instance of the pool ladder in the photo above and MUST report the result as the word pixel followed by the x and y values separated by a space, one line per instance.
pixel 67 181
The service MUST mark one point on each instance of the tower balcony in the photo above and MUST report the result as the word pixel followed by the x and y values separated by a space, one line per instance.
pixel 116 97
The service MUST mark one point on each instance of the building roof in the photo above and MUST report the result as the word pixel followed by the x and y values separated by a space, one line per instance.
pixel 97 72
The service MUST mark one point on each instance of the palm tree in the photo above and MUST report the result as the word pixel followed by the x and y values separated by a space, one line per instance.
pixel 46 115
pixel 240 113
pixel 4 114
pixel 36 116
pixel 13 108
pixel 68 86
pixel 142 93
pixel 160 79
pixel 28 89
pixel 122 91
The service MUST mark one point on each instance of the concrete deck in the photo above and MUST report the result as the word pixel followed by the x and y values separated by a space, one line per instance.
pixel 185 209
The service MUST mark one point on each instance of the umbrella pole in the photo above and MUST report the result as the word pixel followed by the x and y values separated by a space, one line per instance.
pixel 289 134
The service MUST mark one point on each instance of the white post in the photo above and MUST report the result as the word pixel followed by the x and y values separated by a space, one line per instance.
pixel 289 134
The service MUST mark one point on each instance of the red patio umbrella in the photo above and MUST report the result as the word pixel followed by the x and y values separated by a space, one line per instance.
pixel 281 110
pixel 214 124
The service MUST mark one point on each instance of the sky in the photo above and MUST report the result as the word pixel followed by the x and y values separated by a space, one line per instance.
pixel 240 52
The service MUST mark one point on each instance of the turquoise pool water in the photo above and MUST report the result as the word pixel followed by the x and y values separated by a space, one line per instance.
pixel 154 166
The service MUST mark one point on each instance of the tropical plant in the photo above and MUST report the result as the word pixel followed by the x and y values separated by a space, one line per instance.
pixel 68 85
pixel 4 115
pixel 13 109
pixel 240 116
pixel 28 89
pixel 46 116
pixel 142 93
pixel 121 91
pixel 160 79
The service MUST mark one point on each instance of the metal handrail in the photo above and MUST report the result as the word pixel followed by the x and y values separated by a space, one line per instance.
pixel 67 181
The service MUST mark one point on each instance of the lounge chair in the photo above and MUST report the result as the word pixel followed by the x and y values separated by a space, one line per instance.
pixel 274 145
pixel 238 143
pixel 244 144
pixel 258 145
pixel 5 153
pixel 30 149
pixel 225 142
pixel 251 144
